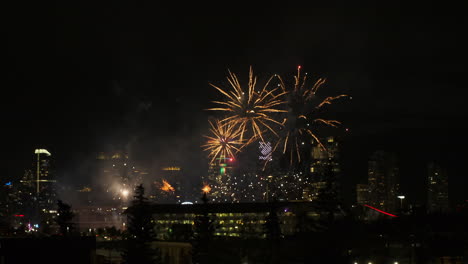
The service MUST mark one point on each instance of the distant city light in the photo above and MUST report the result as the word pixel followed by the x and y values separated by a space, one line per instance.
pixel 187 203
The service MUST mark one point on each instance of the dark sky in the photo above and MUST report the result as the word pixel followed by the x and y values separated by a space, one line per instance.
pixel 83 78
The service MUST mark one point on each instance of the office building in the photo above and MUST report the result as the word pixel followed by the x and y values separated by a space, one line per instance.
pixel 383 176
pixel 437 188
pixel 219 178
pixel 362 194
pixel 325 166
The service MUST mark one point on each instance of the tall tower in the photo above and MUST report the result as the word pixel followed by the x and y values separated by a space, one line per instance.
pixel 437 188
pixel 44 180
pixel 219 179
pixel 323 160
pixel 362 194
pixel 42 169
pixel 383 173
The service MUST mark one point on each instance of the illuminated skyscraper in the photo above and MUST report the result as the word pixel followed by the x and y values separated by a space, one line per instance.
pixel 219 179
pixel 45 182
pixel 36 192
pixel 437 188
pixel 44 179
pixel 362 194
pixel 114 174
pixel 324 163
pixel 383 173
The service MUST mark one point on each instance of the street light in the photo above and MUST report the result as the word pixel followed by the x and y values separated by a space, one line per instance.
pixel 401 197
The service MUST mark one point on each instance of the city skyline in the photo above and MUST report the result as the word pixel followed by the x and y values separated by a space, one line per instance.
pixel 147 87
pixel 146 132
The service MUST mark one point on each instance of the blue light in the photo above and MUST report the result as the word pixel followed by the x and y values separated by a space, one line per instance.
pixel 8 183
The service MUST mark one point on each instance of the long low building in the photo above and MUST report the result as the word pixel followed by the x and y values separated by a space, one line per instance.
pixel 176 221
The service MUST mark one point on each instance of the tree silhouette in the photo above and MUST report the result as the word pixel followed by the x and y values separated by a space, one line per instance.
pixel 273 233
pixel 328 201
pixel 204 228
pixel 64 218
pixel 140 231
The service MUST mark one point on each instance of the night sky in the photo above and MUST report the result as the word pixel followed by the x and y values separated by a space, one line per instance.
pixel 83 79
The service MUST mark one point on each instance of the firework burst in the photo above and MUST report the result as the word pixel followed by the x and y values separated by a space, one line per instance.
pixel 167 187
pixel 224 142
pixel 302 116
pixel 250 109
pixel 206 188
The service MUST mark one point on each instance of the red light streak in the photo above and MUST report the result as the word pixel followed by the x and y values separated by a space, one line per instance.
pixel 380 211
pixel 19 215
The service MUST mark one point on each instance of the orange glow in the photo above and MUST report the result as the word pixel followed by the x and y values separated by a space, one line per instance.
pixel 171 169
pixel 206 188
pixel 167 187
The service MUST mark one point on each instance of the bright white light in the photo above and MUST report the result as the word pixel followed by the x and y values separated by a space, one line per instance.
pixel 401 197
pixel 42 151
pixel 187 203
pixel 125 193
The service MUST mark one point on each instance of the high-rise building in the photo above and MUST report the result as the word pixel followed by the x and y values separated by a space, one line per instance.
pixel 36 191
pixel 45 184
pixel 383 174
pixel 325 163
pixel 437 188
pixel 117 175
pixel 219 179
pixel 44 178
pixel 362 194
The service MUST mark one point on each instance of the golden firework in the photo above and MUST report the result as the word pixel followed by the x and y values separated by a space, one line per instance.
pixel 301 116
pixel 206 188
pixel 224 141
pixel 250 109
pixel 167 187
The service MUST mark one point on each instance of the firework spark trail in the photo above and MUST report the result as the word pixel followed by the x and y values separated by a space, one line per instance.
pixel 251 109
pixel 167 187
pixel 224 142
pixel 301 115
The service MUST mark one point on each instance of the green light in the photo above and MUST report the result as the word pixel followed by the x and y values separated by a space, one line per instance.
pixel 222 170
